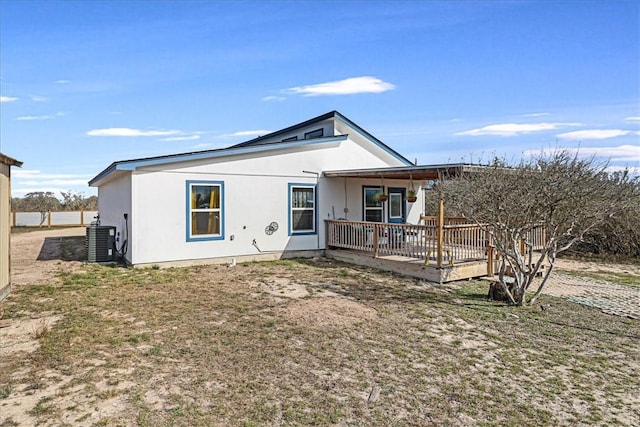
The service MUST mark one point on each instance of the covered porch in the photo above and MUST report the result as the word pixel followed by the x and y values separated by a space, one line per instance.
pixel 435 248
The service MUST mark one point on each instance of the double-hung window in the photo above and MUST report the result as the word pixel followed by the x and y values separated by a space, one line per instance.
pixel 302 209
pixel 372 205
pixel 205 210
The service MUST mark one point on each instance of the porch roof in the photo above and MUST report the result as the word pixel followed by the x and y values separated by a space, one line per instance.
pixel 407 172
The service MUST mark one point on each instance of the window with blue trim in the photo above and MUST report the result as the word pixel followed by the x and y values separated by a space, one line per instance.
pixel 371 204
pixel 205 214
pixel 302 209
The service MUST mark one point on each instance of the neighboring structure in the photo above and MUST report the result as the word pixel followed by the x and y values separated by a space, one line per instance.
pixel 262 199
pixel 5 223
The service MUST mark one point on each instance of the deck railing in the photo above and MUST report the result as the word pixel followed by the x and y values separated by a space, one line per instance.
pixel 452 243
pixel 462 242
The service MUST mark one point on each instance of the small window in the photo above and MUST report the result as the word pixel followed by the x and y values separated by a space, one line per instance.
pixel 291 138
pixel 395 205
pixel 372 206
pixel 314 134
pixel 302 209
pixel 205 210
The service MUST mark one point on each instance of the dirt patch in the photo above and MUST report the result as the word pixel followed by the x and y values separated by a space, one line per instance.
pixel 282 287
pixel 321 312
pixel 37 256
pixel 21 335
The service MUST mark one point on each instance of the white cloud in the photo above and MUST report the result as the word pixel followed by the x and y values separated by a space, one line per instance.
pixel 594 134
pixel 182 138
pixel 274 98
pixel 62 82
pixel 131 132
pixel 206 146
pixel 353 85
pixel 62 182
pixel 8 98
pixel 37 98
pixel 36 174
pixel 35 180
pixel 633 119
pixel 513 129
pixel 633 170
pixel 249 133
pixel 621 153
pixel 43 117
pixel 535 115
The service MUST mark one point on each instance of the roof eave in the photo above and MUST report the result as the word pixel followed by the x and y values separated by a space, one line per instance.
pixel 286 130
pixel 131 165
pixel 406 172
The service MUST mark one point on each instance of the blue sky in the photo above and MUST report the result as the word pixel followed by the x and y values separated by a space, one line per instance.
pixel 86 83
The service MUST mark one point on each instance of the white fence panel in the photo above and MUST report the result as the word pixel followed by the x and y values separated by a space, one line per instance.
pixel 72 218
pixel 89 217
pixel 28 219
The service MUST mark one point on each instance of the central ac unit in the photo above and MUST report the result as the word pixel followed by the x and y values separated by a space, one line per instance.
pixel 101 241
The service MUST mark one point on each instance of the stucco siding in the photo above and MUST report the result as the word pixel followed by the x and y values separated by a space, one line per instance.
pixel 256 186
pixel 378 151
pixel 114 200
pixel 348 193
pixel 256 191
pixel 250 204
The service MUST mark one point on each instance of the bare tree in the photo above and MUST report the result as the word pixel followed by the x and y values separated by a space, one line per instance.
pixel 77 201
pixel 40 201
pixel 564 194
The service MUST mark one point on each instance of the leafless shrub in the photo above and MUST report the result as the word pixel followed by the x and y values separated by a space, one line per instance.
pixel 568 196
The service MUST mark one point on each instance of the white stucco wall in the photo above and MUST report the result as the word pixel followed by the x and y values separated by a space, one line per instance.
pixel 354 198
pixel 255 195
pixel 114 200
pixel 256 192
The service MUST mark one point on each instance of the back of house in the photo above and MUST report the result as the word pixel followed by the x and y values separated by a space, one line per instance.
pixel 262 199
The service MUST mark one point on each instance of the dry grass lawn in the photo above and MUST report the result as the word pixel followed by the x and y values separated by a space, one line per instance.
pixel 305 342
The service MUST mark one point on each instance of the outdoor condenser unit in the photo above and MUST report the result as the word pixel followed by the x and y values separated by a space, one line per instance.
pixel 100 243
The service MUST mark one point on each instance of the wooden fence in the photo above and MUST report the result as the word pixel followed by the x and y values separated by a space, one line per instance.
pixel 53 218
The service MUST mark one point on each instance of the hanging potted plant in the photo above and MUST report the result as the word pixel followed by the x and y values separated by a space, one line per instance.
pixel 381 197
pixel 412 195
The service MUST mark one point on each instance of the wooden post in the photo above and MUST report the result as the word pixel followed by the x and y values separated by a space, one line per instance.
pixel 440 232
pixel 375 240
pixel 81 217
pixel 15 214
pixel 490 261
pixel 49 219
pixel 327 227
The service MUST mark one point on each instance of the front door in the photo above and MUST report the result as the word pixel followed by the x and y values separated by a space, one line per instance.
pixel 397 208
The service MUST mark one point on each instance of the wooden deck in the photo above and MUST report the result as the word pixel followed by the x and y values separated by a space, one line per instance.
pixel 443 250
pixel 413 267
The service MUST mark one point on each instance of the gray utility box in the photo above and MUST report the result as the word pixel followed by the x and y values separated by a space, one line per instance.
pixel 101 241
